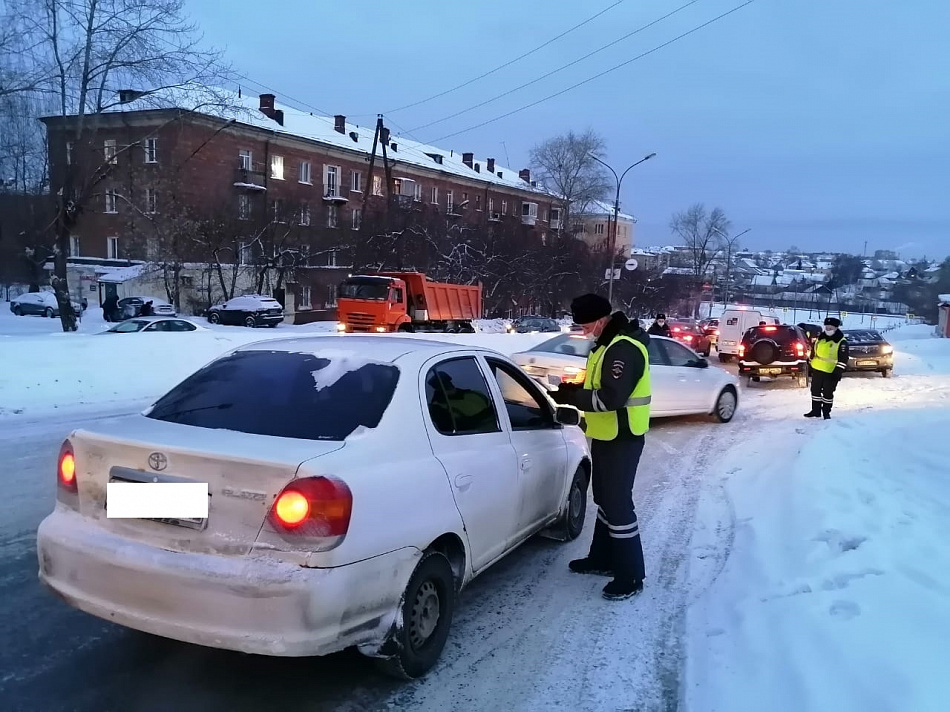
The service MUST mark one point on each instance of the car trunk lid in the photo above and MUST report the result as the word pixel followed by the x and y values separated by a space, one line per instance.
pixel 244 473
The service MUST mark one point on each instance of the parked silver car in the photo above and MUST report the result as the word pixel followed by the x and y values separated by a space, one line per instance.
pixel 39 304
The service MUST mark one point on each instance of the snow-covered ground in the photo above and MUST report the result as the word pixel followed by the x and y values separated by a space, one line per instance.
pixel 791 315
pixel 45 371
pixel 820 570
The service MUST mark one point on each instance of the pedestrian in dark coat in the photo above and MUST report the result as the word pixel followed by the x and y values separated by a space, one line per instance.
pixel 659 327
pixel 829 359
pixel 147 309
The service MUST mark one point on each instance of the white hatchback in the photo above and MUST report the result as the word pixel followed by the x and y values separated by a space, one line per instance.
pixel 682 381
pixel 356 484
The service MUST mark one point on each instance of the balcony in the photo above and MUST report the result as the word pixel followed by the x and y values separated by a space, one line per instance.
pixel 402 202
pixel 249 178
pixel 529 219
pixel 332 195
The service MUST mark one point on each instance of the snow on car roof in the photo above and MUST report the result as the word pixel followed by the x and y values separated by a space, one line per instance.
pixel 375 348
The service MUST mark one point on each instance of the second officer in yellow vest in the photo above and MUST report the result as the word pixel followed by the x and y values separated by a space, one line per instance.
pixel 615 399
pixel 829 360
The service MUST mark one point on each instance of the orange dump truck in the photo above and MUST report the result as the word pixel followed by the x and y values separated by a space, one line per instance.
pixel 406 301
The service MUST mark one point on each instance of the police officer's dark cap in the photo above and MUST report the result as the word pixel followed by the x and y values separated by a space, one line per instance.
pixel 588 308
pixel 832 321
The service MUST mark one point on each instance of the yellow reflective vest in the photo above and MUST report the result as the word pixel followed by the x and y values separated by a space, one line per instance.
pixel 606 426
pixel 825 357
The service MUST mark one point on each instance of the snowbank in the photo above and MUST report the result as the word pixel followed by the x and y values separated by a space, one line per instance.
pixel 820 569
pixel 813 316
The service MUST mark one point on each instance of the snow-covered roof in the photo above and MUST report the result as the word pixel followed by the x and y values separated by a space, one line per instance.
pixel 245 110
pixel 601 208
pixel 678 270
pixel 944 298
pixel 118 275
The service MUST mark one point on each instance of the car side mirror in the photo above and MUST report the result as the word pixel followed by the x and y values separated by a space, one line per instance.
pixel 567 415
pixel 701 362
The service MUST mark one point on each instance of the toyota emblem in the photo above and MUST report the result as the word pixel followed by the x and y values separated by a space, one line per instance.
pixel 157 461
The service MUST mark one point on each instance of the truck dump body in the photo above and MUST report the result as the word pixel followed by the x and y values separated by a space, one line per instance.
pixel 444 302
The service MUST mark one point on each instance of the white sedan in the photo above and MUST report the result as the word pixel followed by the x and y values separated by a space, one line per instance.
pixel 153 324
pixel 681 380
pixel 355 485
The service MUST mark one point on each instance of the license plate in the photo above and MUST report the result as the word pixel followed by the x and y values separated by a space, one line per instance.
pixel 770 371
pixel 867 363
pixel 188 523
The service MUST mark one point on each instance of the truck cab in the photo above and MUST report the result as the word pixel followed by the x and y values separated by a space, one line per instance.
pixel 370 303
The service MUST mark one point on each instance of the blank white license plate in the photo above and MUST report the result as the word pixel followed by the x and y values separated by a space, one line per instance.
pixel 770 371
pixel 867 363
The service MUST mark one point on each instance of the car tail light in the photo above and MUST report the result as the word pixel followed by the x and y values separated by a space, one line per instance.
pixel 675 329
pixel 769 328
pixel 715 331
pixel 799 349
pixel 687 338
pixel 741 350
pixel 313 506
pixel 66 468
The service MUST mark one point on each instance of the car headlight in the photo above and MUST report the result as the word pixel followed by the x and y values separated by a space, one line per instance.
pixel 340 326
pixel 887 349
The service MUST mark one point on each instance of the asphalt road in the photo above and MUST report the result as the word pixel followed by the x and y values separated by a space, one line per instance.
pixel 528 635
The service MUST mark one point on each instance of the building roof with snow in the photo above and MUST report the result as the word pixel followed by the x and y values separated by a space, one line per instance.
pixel 600 208
pixel 327 130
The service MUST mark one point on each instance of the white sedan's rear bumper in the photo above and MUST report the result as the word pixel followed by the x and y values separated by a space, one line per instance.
pixel 251 604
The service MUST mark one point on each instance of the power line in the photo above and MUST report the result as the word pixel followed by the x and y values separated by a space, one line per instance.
pixel 559 69
pixel 596 76
pixel 509 63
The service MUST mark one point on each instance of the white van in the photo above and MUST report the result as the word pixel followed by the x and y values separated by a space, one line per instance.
pixel 733 324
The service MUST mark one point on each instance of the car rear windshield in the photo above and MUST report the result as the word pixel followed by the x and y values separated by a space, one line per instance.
pixel 566 344
pixel 778 334
pixel 283 394
pixel 863 336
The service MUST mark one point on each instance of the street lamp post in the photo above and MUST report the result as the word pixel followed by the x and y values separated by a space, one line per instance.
pixel 729 243
pixel 612 236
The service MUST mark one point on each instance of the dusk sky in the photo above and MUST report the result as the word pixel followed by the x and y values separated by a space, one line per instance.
pixel 816 123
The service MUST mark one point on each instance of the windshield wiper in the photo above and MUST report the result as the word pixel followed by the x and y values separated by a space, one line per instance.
pixel 177 413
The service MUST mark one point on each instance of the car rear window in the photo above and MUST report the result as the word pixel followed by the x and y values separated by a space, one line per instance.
pixel 778 334
pixel 566 344
pixel 283 394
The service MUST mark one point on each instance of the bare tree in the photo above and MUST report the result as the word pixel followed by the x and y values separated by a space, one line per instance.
pixel 96 48
pixel 701 233
pixel 564 165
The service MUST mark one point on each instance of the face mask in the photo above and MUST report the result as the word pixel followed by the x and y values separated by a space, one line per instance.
pixel 830 330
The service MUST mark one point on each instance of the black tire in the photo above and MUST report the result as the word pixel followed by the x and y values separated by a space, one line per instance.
pixel 405 328
pixel 707 351
pixel 214 318
pixel 49 313
pixel 724 358
pixel 726 405
pixel 886 373
pixel 250 322
pixel 17 312
pixel 570 526
pixel 418 648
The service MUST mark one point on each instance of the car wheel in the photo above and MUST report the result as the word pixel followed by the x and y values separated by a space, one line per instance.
pixel 726 405
pixel 214 318
pixel 405 328
pixel 273 325
pixel 886 373
pixel 570 526
pixel 48 313
pixel 707 351
pixel 723 358
pixel 250 322
pixel 17 312
pixel 427 607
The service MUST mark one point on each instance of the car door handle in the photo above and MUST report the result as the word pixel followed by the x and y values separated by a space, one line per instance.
pixel 463 481
pixel 525 463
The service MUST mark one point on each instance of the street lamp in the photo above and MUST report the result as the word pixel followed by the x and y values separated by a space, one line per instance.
pixel 612 237
pixel 729 243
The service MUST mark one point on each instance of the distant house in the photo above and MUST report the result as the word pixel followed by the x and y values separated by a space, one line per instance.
pixel 943 316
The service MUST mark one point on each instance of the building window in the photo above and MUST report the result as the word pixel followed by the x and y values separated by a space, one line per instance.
pixel 245 254
pixel 305 172
pixel 504 207
pixel 151 201
pixel 331 181
pixel 599 229
pixel 305 215
pixel 357 184
pixel 110 151
pixel 449 201
pixel 331 296
pixel 112 248
pixel 244 207
pixel 278 210
pixel 544 215
pixel 306 299
pixel 331 258
pixel 417 195
pixel 333 216
pixel 112 201
pixel 69 153
pixel 435 195
pixel 491 205
pixel 74 245
pixel 151 150
pixel 246 158
pixel 357 218
pixel 478 203
pixel 277 167
pixel 464 199
pixel 556 218
pixel 377 185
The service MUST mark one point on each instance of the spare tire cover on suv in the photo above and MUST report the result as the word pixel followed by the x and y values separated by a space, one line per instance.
pixel 764 351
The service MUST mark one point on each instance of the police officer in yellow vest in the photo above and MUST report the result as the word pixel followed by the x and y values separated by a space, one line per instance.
pixel 615 400
pixel 829 359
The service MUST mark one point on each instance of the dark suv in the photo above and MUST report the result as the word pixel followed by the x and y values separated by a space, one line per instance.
pixel 774 351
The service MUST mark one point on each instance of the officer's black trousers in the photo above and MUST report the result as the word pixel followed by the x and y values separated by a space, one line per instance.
pixel 823 387
pixel 616 541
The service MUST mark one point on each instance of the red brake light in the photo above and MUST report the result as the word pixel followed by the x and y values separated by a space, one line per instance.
pixel 66 471
pixel 313 506
pixel 676 328
pixel 688 337
pixel 769 328
pixel 741 350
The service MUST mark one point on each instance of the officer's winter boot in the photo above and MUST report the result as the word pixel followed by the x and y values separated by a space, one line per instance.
pixel 618 590
pixel 590 566
pixel 826 410
pixel 815 409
